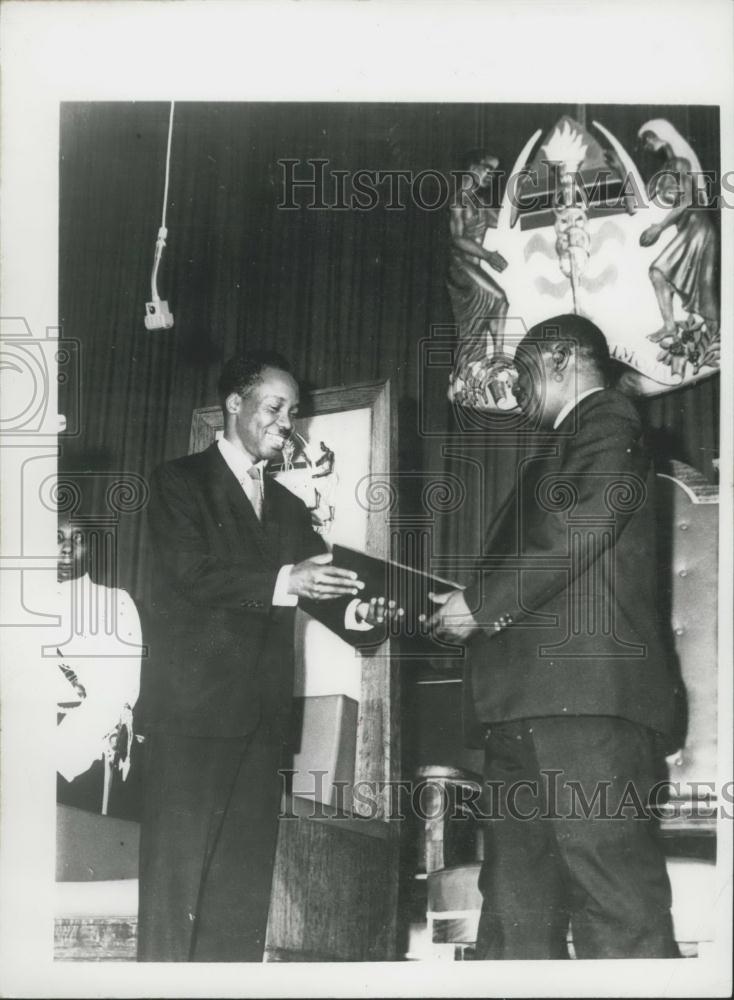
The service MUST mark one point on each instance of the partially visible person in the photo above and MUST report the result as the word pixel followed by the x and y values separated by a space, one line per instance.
pixel 688 265
pixel 97 677
pixel 478 301
pixel 568 684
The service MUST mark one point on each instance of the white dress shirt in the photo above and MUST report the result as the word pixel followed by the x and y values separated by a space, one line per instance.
pixel 240 465
pixel 99 639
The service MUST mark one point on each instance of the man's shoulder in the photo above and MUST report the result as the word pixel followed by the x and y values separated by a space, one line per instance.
pixel 602 420
pixel 609 404
pixel 188 466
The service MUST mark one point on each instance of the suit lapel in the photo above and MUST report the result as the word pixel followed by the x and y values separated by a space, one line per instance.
pixel 503 534
pixel 237 510
pixel 495 531
pixel 272 517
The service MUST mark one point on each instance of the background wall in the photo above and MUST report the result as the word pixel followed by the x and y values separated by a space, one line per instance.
pixel 346 295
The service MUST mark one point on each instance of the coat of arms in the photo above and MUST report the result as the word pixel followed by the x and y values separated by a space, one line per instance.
pixel 579 230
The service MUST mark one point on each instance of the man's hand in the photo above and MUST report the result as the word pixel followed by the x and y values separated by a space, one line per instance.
pixel 316 579
pixel 452 620
pixel 377 611
pixel 650 235
pixel 496 261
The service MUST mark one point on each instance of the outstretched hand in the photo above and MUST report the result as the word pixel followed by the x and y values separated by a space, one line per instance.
pixel 496 261
pixel 318 580
pixel 452 619
pixel 376 611
pixel 649 236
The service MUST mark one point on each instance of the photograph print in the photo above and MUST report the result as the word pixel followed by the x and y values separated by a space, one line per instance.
pixel 530 295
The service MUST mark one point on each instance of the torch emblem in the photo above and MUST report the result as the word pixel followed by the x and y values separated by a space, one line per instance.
pixel 566 151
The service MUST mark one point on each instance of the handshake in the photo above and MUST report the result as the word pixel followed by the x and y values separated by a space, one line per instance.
pixel 319 580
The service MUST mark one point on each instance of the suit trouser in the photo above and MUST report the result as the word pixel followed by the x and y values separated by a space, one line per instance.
pixel 207 847
pixel 569 841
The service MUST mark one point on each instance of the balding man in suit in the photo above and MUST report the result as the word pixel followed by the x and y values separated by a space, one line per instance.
pixel 568 682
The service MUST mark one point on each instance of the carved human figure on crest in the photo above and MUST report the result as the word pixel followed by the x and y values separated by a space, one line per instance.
pixel 478 301
pixel 688 266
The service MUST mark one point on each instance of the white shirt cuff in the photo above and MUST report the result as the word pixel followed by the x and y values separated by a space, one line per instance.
pixel 281 597
pixel 351 622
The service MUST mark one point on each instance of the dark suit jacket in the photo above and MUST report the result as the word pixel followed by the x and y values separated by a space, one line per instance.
pixel 570 559
pixel 221 656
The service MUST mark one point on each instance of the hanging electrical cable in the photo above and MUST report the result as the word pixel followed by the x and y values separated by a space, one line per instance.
pixel 157 313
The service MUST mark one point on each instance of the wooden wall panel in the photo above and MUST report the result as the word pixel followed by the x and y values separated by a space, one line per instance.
pixel 345 909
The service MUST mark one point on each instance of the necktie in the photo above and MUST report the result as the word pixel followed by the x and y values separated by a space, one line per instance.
pixel 254 489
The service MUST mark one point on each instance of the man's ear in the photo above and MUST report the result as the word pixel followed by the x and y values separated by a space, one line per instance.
pixel 561 353
pixel 232 402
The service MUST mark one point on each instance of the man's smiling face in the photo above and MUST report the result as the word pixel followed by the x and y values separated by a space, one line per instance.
pixel 265 416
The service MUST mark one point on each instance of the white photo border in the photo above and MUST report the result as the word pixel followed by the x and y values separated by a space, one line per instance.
pixel 83 50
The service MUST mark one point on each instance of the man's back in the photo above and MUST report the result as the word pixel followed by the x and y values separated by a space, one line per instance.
pixel 585 637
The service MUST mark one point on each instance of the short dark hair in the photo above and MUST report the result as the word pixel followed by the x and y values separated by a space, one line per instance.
pixel 244 371
pixel 590 343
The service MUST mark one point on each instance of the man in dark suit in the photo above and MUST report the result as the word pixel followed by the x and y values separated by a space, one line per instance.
pixel 233 557
pixel 567 679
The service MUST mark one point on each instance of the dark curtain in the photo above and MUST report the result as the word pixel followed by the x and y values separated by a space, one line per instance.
pixel 347 295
